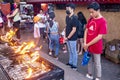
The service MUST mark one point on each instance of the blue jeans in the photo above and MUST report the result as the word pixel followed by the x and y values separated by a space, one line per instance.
pixel 73 57
pixel 54 43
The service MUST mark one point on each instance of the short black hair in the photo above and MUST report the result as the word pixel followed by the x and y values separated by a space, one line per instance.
pixel 94 5
pixel 52 15
pixel 67 5
pixel 72 5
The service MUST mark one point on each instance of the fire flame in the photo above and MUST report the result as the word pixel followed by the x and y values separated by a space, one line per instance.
pixel 35 56
pixel 9 35
pixel 25 47
pixel 25 54
pixel 29 73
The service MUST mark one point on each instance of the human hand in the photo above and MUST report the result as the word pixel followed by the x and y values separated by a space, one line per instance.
pixel 8 16
pixel 85 47
pixel 66 38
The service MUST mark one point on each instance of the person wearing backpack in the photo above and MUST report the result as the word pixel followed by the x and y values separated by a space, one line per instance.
pixel 71 36
pixel 95 29
pixel 83 22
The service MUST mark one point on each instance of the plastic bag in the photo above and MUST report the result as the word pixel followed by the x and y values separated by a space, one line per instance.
pixel 86 58
pixel 61 40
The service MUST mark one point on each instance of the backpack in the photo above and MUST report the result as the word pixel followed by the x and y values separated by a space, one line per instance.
pixel 79 26
pixel 79 29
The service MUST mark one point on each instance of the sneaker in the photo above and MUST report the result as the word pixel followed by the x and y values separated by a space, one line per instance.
pixel 74 68
pixel 50 53
pixel 56 57
pixel 68 64
pixel 97 79
pixel 89 76
pixel 65 51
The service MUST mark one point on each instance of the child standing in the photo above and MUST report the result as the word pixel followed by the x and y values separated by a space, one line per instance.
pixel 36 31
pixel 64 43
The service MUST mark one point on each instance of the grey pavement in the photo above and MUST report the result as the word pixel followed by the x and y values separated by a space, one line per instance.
pixel 110 70
pixel 69 73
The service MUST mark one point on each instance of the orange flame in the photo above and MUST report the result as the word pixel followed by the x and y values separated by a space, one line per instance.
pixel 35 56
pixel 41 47
pixel 9 35
pixel 28 59
pixel 25 47
pixel 43 66
pixel 29 73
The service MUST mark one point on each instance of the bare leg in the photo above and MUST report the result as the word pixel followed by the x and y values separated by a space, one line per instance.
pixel 0 31
pixel 37 41
pixel 81 48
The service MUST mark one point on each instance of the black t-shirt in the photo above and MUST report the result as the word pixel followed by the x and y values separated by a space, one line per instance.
pixel 66 20
pixel 70 23
pixel 83 22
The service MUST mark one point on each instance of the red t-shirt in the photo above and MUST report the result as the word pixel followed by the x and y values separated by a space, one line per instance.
pixel 96 27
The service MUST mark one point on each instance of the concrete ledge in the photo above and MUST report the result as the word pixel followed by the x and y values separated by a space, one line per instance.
pixel 69 73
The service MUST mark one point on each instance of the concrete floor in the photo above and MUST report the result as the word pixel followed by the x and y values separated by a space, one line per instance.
pixel 110 70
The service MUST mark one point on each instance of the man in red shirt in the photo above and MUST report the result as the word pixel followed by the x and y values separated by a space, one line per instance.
pixel 95 29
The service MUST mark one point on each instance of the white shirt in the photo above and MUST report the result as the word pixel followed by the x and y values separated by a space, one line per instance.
pixel 1 20
pixel 36 30
pixel 42 17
